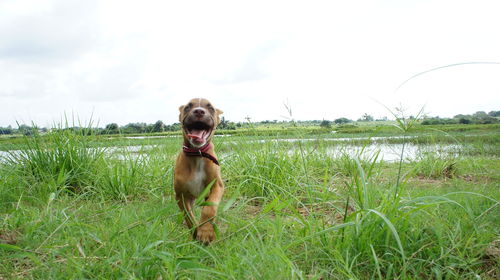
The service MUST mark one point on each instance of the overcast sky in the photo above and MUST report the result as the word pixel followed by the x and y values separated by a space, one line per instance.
pixel 138 61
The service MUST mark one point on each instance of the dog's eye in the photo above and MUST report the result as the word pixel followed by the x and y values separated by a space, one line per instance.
pixel 210 107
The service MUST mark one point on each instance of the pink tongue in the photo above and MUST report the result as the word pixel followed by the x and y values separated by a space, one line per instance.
pixel 197 135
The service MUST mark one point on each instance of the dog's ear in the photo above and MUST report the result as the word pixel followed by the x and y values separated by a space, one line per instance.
pixel 181 110
pixel 218 112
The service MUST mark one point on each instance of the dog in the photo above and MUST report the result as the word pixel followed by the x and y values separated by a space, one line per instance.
pixel 197 166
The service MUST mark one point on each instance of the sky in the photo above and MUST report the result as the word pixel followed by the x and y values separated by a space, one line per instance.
pixel 138 61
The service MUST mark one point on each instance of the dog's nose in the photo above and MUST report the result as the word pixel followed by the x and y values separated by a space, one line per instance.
pixel 199 112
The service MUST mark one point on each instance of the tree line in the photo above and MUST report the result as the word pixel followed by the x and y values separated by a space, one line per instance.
pixel 479 117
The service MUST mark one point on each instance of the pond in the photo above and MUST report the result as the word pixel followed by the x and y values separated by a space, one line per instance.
pixel 387 152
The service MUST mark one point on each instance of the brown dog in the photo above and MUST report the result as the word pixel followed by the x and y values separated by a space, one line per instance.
pixel 197 166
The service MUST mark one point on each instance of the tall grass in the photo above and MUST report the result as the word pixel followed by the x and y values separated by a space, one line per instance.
pixel 61 160
pixel 433 165
pixel 290 211
pixel 73 162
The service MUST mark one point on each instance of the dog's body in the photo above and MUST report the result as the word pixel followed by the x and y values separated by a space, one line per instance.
pixel 197 166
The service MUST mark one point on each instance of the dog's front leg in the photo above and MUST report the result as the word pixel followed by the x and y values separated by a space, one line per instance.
pixel 185 203
pixel 205 232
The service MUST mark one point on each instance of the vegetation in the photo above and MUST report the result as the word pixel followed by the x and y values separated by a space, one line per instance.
pixel 480 117
pixel 74 204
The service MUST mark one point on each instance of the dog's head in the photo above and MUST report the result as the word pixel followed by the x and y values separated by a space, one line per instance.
pixel 198 119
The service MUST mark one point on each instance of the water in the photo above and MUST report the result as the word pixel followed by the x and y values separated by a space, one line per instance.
pixel 392 152
pixel 387 152
pixel 163 136
pixel 338 139
pixel 5 154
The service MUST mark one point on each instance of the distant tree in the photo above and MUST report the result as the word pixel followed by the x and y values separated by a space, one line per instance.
pixel 26 129
pixel 111 128
pixel 230 126
pixel 482 118
pixel 134 128
pixel 223 123
pixel 325 124
pixel 480 115
pixel 149 128
pixel 6 130
pixel 460 116
pixel 158 127
pixel 488 120
pixel 342 121
pixel 494 114
pixel 173 127
pixel 438 120
pixel 366 118
pixel 464 120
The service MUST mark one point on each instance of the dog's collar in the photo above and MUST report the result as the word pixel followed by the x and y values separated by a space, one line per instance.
pixel 200 152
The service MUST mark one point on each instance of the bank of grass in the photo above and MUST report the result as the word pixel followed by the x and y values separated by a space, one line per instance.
pixel 78 209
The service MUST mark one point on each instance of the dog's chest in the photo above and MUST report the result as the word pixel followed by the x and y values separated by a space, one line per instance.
pixel 198 176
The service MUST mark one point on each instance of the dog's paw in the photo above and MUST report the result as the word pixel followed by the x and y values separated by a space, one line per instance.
pixel 205 233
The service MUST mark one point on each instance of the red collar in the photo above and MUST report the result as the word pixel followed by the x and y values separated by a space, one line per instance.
pixel 199 152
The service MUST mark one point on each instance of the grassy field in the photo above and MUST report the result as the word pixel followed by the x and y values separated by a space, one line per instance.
pixel 102 207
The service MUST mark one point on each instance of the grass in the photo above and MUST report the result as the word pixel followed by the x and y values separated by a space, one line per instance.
pixel 82 207
pixel 432 165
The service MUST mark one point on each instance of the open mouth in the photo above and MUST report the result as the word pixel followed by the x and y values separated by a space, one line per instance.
pixel 198 132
